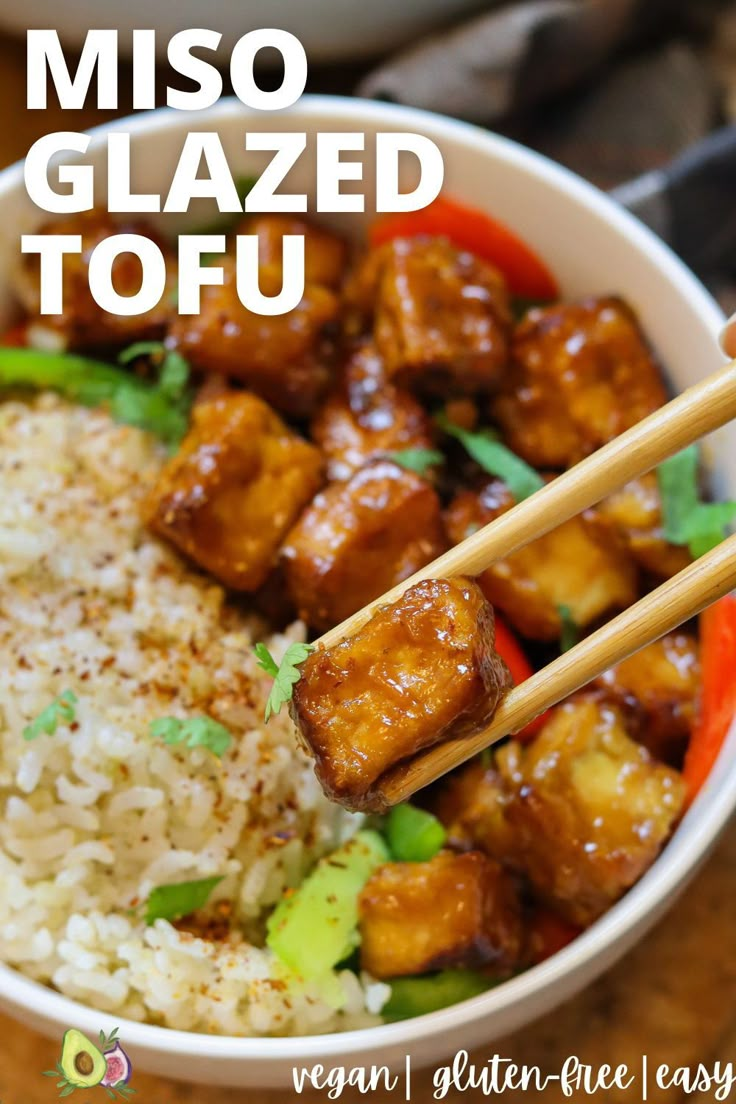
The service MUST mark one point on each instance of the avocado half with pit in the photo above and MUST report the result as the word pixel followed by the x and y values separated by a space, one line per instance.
pixel 83 1063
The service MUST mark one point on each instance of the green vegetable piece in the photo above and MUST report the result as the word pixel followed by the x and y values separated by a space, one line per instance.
pixel 413 835
pixel 686 518
pixel 484 447
pixel 285 675
pixel 569 633
pixel 93 383
pixel 416 996
pixel 61 711
pixel 316 926
pixel 171 902
pixel 418 460
pixel 192 732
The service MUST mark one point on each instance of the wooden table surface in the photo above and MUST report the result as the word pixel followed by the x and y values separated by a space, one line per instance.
pixel 673 996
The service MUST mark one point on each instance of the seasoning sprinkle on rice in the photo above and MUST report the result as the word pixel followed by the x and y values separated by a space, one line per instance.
pixel 97 814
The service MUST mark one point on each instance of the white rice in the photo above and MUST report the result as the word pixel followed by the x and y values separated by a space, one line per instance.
pixel 96 815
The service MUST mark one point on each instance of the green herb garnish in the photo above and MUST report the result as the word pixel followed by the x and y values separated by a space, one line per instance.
pixel 285 675
pixel 418 460
pixel 161 408
pixel 569 633
pixel 171 902
pixel 225 222
pixel 173 377
pixel 485 448
pixel 61 711
pixel 192 732
pixel 686 518
pixel 413 835
pixel 141 349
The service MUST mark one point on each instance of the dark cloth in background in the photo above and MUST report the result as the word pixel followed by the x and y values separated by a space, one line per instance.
pixel 624 92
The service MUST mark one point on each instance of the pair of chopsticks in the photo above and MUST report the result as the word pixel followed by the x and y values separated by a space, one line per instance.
pixel 698 411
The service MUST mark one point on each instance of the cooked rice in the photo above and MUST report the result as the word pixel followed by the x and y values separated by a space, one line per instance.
pixel 98 814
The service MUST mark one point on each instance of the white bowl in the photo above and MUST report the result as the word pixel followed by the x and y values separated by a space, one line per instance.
pixel 593 246
pixel 330 30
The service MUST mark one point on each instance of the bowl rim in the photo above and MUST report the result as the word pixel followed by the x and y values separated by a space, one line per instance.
pixel 699 829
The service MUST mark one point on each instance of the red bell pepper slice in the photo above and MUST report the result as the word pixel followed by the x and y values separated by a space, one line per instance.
pixel 717 693
pixel 468 228
pixel 511 653
pixel 16 337
pixel 548 933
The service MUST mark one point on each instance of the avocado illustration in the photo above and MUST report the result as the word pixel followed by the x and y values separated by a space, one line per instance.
pixel 82 1063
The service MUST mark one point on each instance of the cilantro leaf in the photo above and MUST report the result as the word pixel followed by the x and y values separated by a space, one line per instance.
pixel 243 185
pixel 285 675
pixel 418 460
pixel 192 732
pixel 226 222
pixel 485 448
pixel 61 711
pixel 686 518
pixel 171 902
pixel 266 660
pixel 569 634
pixel 174 375
pixel 174 369
pixel 141 349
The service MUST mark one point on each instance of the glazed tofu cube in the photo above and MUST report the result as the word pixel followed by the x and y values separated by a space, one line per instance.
pixel 286 358
pixel 581 374
pixel 471 804
pixel 656 689
pixel 233 490
pixel 364 376
pixel 573 566
pixel 441 318
pixel 419 672
pixel 453 911
pixel 590 809
pixel 325 253
pixel 391 421
pixel 358 539
pixel 633 515
pixel 82 322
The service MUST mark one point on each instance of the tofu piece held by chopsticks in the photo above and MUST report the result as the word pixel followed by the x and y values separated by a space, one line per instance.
pixel 419 672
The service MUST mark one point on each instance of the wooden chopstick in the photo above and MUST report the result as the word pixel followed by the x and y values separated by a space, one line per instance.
pixel 680 598
pixel 688 417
